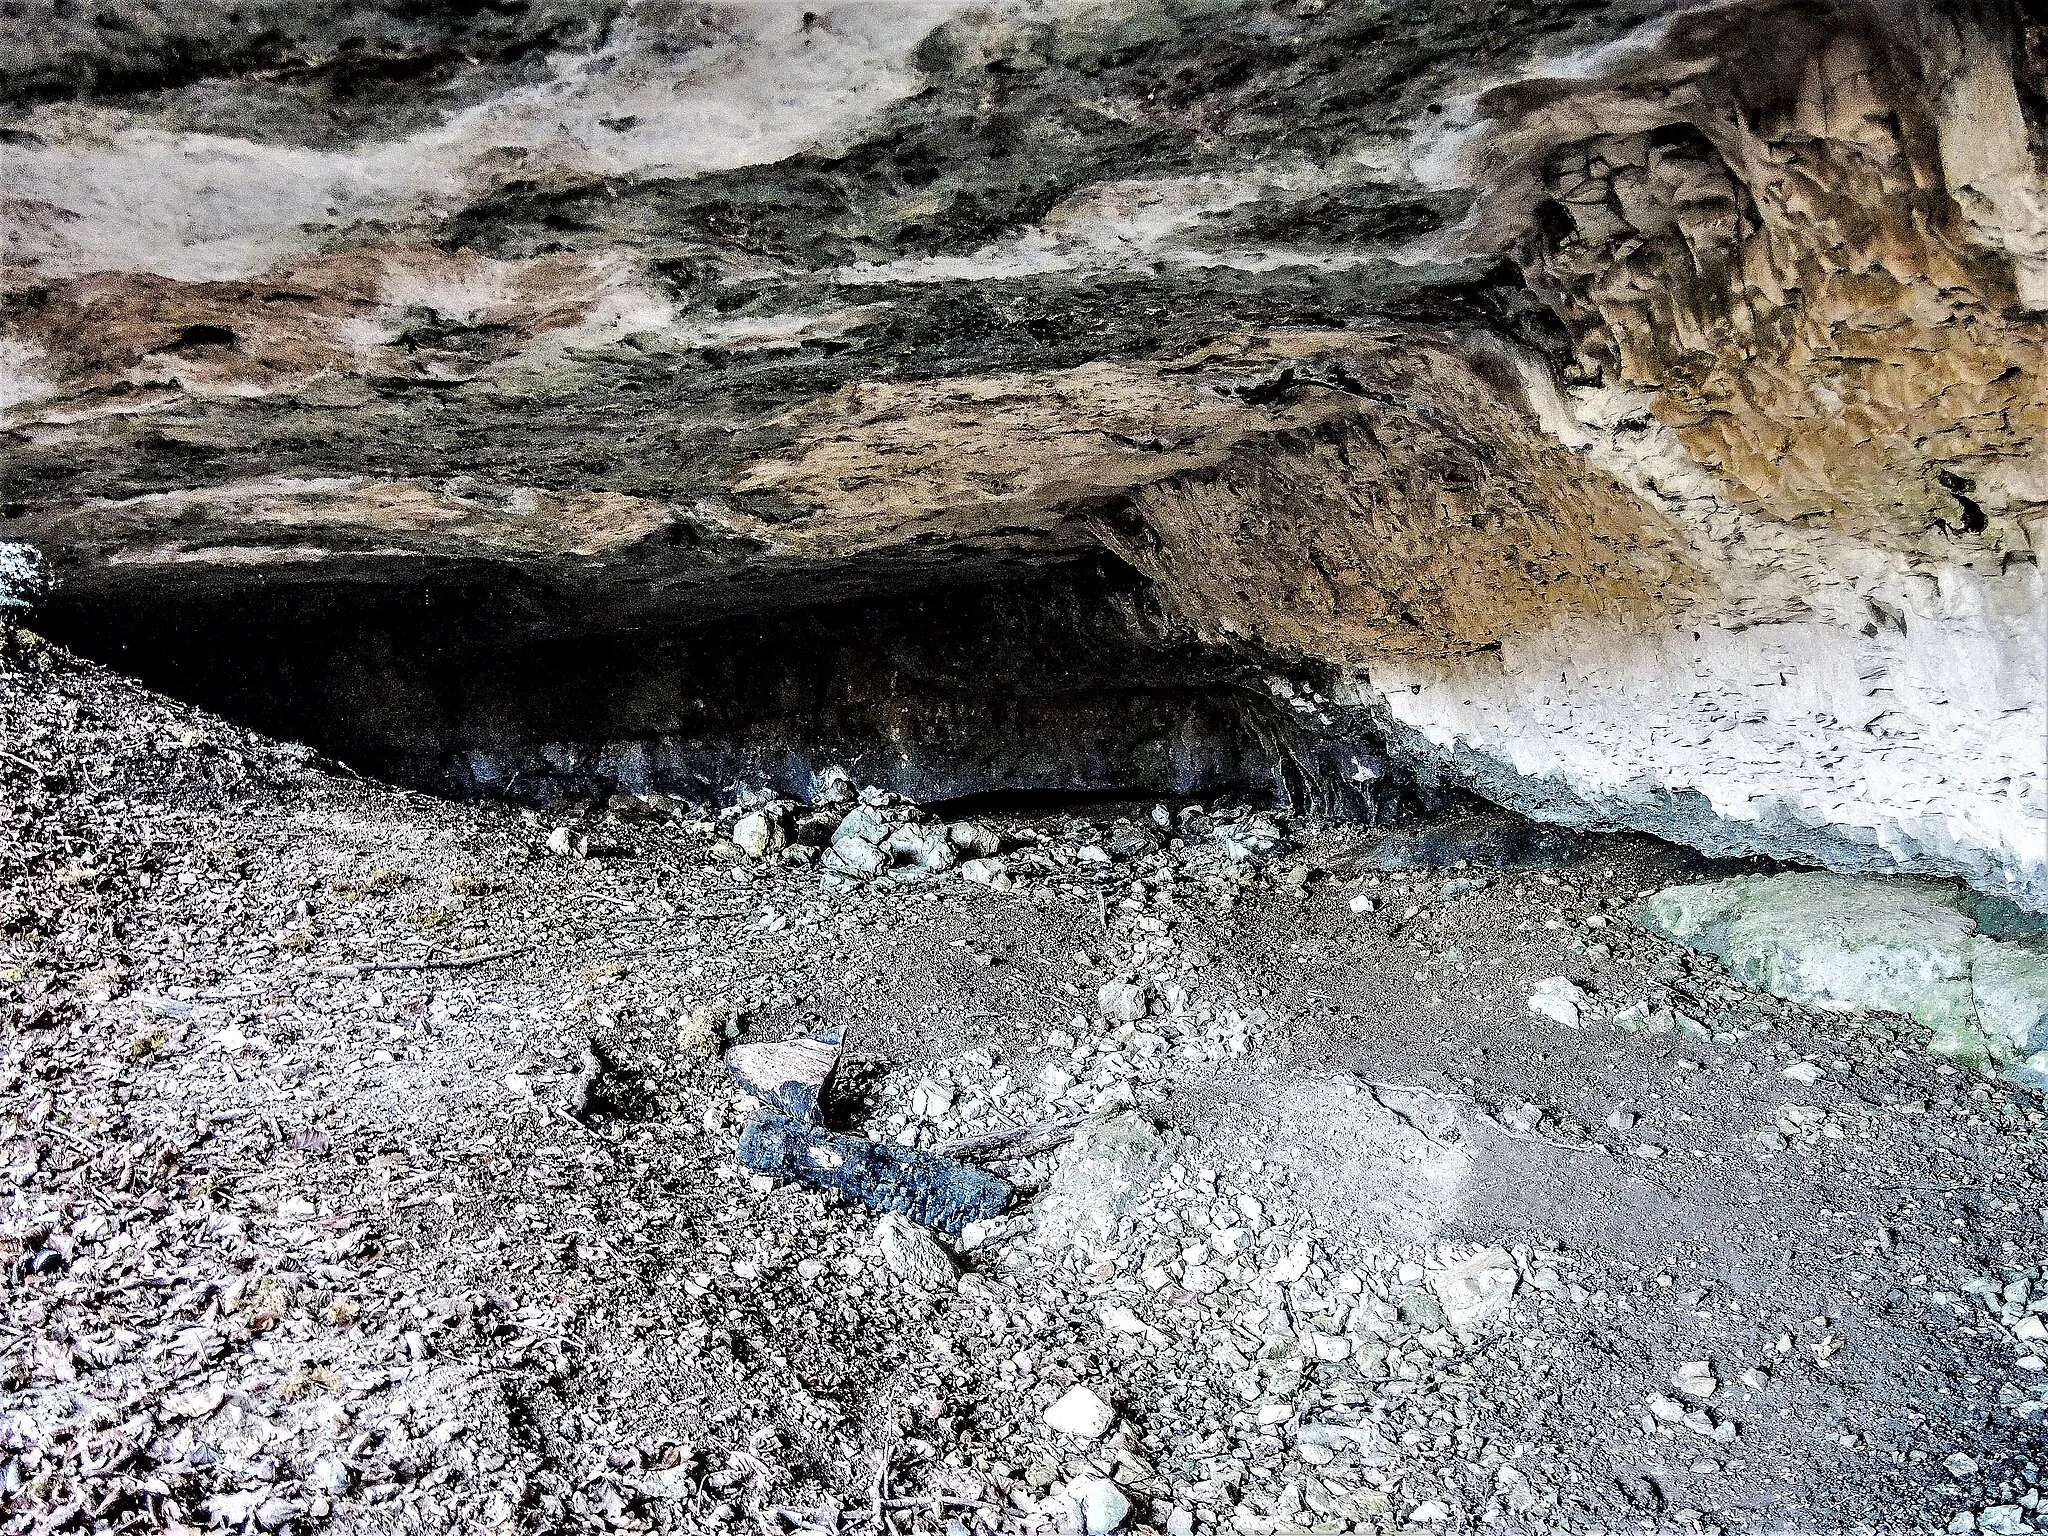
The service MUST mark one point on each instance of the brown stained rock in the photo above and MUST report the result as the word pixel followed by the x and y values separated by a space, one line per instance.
pixel 375 313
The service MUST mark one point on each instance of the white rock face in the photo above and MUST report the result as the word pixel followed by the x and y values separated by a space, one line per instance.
pixel 1915 747
pixel 208 206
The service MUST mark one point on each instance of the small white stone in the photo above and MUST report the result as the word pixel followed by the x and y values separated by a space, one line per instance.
pixel 1669 1409
pixel 1695 1378
pixel 1103 1505
pixel 1803 1072
pixel 928 1101
pixel 1293 1265
pixel 1558 999
pixel 1080 1413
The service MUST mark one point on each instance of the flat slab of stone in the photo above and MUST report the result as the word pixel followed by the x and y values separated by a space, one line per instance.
pixel 1904 946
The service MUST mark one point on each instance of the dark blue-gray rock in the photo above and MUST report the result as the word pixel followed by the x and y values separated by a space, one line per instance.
pixel 1134 842
pixel 1484 844
pixel 1250 839
pixel 923 1187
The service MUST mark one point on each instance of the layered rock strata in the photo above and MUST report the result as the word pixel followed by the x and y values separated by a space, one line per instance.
pixel 1631 413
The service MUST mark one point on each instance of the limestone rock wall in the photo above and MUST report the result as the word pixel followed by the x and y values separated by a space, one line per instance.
pixel 1632 412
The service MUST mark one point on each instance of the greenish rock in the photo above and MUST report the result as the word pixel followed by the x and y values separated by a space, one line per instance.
pixel 1101 1174
pixel 2010 984
pixel 1912 947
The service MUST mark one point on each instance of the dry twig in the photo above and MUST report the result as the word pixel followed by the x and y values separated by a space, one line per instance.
pixel 1009 1146
pixel 457 963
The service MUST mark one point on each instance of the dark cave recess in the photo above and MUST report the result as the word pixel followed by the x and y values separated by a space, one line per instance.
pixel 1064 684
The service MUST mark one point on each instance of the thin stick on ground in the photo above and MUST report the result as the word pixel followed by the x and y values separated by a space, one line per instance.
pixel 1008 1146
pixel 457 963
pixel 1409 1120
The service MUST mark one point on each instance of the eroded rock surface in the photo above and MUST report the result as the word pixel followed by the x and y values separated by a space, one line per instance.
pixel 1631 414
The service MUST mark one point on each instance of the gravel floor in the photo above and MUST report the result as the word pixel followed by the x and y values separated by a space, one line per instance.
pixel 1355 1240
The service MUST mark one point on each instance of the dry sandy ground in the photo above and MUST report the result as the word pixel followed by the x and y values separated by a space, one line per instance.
pixel 297 1245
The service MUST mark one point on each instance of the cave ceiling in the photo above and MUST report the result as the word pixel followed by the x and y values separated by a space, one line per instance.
pixel 1633 411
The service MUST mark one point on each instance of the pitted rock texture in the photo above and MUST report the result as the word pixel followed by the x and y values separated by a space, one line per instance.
pixel 1630 413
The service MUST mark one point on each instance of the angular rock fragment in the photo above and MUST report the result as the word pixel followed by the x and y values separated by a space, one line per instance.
pixel 1477 1290
pixel 1081 1413
pixel 989 872
pixel 854 858
pixel 1251 838
pixel 932 1191
pixel 913 1255
pixel 975 839
pixel 860 825
pixel 1097 1504
pixel 1695 1378
pixel 925 848
pixel 789 1074
pixel 1559 999
pixel 1134 842
pixel 759 834
pixel 1124 1002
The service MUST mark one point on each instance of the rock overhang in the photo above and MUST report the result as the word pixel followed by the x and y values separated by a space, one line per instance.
pixel 1631 414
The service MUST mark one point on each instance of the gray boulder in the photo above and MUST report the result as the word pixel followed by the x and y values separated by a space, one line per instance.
pixel 1905 946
